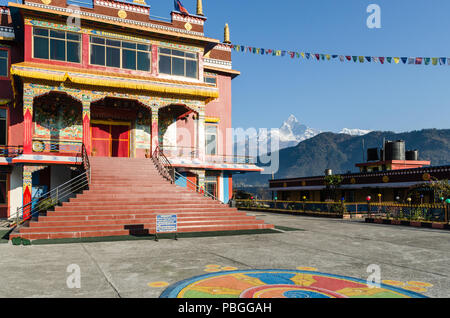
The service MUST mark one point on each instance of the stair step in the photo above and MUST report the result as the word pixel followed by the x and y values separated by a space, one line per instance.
pixel 149 220
pixel 187 229
pixel 125 212
pixel 137 215
pixel 119 226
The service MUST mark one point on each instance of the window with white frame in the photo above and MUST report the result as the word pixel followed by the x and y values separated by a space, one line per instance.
pixel 120 54
pixel 178 63
pixel 211 139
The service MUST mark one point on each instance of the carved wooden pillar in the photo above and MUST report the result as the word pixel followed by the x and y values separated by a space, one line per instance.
pixel 155 129
pixel 28 96
pixel 27 190
pixel 86 102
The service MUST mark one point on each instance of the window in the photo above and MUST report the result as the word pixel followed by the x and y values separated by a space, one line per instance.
pixel 211 140
pixel 210 79
pixel 120 54
pixel 4 63
pixel 3 127
pixel 3 188
pixel 56 45
pixel 81 3
pixel 211 185
pixel 179 63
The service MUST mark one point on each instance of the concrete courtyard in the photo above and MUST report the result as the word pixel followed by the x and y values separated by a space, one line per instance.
pixel 144 268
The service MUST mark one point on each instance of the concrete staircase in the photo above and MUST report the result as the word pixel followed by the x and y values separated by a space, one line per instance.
pixel 124 198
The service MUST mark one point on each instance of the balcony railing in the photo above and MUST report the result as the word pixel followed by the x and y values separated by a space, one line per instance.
pixel 180 152
pixel 59 146
pixel 10 151
pixel 193 153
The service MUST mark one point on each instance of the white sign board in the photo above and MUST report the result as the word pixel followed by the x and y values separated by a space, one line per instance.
pixel 166 223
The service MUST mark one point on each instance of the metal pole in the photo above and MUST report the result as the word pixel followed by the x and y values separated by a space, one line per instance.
pixel 446 212
pixel 17 217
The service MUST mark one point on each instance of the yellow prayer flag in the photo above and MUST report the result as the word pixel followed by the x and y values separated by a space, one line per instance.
pixel 396 60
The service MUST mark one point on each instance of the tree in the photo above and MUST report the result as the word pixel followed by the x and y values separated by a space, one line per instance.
pixel 333 182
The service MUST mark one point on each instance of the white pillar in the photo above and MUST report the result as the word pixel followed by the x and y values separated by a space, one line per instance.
pixel 201 135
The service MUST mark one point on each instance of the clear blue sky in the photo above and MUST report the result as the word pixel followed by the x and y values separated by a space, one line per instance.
pixel 331 95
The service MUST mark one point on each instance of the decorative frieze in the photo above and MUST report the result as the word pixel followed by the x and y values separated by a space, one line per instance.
pixel 217 63
pixel 188 19
pixel 113 19
pixel 7 32
pixel 123 6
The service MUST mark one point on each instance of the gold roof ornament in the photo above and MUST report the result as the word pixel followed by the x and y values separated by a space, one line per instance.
pixel 199 7
pixel 227 34
pixel 139 1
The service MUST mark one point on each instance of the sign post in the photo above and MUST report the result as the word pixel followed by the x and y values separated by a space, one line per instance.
pixel 166 223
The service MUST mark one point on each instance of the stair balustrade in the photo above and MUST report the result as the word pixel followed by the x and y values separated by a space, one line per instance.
pixel 55 196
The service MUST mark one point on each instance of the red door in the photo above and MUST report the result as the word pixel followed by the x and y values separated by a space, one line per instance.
pixel 110 139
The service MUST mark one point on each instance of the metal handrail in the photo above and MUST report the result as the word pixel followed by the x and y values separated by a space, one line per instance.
pixel 163 165
pixel 55 196
pixel 197 187
pixel 168 171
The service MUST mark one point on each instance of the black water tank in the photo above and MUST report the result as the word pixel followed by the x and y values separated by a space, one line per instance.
pixel 372 154
pixel 395 150
pixel 412 155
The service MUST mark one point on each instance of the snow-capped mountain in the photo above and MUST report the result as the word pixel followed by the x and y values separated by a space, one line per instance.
pixel 292 132
pixel 354 132
pixel 289 134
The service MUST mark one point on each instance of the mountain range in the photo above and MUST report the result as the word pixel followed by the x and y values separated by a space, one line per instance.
pixel 289 134
pixel 340 152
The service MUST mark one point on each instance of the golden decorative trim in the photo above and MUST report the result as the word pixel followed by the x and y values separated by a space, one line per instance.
pixel 116 82
pixel 212 120
pixel 188 26
pixel 122 14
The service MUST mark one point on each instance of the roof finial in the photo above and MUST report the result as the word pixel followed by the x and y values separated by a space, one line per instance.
pixel 226 38
pixel 199 7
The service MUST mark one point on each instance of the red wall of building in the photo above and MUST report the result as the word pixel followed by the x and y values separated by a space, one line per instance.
pixel 221 108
